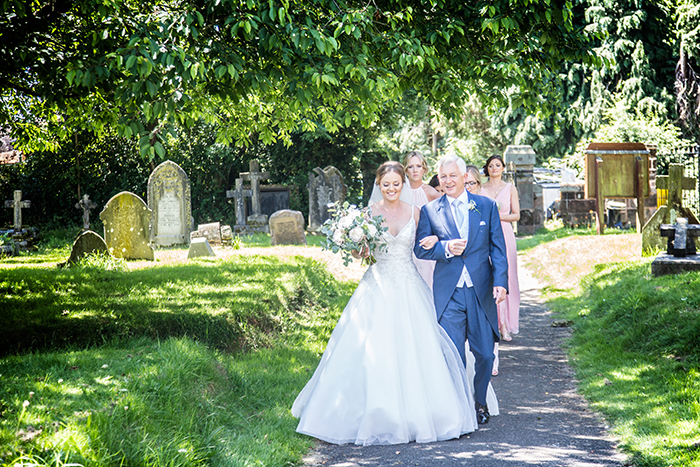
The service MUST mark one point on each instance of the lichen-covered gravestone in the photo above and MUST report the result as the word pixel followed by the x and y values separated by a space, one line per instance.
pixel 212 232
pixel 171 205
pixel 325 187
pixel 287 228
pixel 87 242
pixel 126 218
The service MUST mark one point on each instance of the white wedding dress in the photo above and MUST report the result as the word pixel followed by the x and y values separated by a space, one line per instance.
pixel 390 374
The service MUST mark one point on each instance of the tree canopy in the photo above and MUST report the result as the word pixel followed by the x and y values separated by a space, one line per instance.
pixel 261 69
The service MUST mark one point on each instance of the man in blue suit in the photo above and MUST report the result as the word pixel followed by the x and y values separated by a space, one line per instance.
pixel 471 270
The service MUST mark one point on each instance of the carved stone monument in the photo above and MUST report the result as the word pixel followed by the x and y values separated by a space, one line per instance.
pixel 126 218
pixel 199 247
pixel 240 194
pixel 17 204
pixel 171 205
pixel 211 231
pixel 257 219
pixel 326 186
pixel 530 193
pixel 675 182
pixel 681 253
pixel 87 242
pixel 287 228
pixel 86 205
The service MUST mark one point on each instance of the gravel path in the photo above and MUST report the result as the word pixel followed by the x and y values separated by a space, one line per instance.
pixel 543 420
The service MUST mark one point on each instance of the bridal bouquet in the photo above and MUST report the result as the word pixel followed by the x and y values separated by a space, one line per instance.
pixel 352 228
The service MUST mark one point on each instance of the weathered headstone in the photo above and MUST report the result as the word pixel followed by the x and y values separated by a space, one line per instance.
pixel 126 218
pixel 86 205
pixel 273 198
pixel 200 247
pixel 211 231
pixel 240 194
pixel 287 228
pixel 226 234
pixel 675 182
pixel 255 177
pixel 326 187
pixel 681 254
pixel 530 193
pixel 171 205
pixel 87 242
pixel 18 204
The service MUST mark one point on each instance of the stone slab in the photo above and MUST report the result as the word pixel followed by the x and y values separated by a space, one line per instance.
pixel 86 243
pixel 667 264
pixel 211 231
pixel 287 228
pixel 200 247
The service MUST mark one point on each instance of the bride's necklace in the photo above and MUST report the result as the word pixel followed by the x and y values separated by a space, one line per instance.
pixel 398 211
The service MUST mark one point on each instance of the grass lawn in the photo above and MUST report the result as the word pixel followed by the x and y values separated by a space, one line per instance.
pixel 634 344
pixel 171 363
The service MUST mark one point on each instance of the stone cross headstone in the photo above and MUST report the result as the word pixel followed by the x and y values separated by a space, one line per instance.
pixel 681 237
pixel 326 187
pixel 287 228
pixel 86 205
pixel 170 202
pixel 675 182
pixel 126 219
pixel 239 194
pixel 18 204
pixel 254 177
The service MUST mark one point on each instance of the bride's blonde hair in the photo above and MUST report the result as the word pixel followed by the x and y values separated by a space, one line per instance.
pixel 390 166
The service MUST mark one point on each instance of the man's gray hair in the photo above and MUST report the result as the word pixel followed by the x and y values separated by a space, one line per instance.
pixel 450 158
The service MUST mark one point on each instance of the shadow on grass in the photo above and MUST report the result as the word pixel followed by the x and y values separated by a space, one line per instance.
pixel 637 358
pixel 240 303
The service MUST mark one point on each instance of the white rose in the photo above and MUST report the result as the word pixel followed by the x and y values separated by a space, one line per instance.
pixel 371 230
pixel 338 237
pixel 345 222
pixel 356 234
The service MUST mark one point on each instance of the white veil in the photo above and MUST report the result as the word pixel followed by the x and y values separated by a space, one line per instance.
pixel 406 194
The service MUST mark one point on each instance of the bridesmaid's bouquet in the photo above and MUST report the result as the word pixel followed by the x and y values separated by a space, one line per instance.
pixel 353 229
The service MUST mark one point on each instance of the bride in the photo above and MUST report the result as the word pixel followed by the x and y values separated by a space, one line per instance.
pixel 390 374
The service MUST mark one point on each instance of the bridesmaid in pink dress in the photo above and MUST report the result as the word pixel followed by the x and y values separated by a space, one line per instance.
pixel 506 196
pixel 421 194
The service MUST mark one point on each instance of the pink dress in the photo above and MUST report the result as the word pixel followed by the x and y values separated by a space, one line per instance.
pixel 509 309
pixel 425 267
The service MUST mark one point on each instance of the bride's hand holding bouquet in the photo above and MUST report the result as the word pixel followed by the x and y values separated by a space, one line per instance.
pixel 354 233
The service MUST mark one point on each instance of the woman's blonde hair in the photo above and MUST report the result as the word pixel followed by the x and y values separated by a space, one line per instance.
pixel 474 170
pixel 390 166
pixel 412 154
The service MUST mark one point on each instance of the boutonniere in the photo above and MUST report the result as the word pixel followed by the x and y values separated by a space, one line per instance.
pixel 471 205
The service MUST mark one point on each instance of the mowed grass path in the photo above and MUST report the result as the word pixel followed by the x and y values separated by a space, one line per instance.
pixel 186 363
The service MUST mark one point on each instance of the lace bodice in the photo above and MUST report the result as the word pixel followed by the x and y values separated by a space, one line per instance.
pixel 395 262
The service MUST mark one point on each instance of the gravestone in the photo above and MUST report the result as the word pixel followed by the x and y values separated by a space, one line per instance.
pixel 326 187
pixel 675 182
pixel 17 204
pixel 530 193
pixel 87 242
pixel 199 247
pixel 287 228
pixel 273 198
pixel 171 205
pixel 681 254
pixel 257 219
pixel 226 235
pixel 86 205
pixel 126 220
pixel 211 231
pixel 240 194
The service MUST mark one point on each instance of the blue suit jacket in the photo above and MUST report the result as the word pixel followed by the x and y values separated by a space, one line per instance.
pixel 484 256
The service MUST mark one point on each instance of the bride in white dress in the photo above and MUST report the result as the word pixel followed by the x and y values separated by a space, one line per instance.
pixel 390 374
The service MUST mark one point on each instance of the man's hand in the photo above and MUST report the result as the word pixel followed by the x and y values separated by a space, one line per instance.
pixel 457 246
pixel 499 294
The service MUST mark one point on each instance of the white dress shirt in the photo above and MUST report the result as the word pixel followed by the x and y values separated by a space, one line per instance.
pixel 464 279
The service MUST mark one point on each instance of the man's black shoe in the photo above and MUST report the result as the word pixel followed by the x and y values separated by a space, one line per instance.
pixel 482 414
